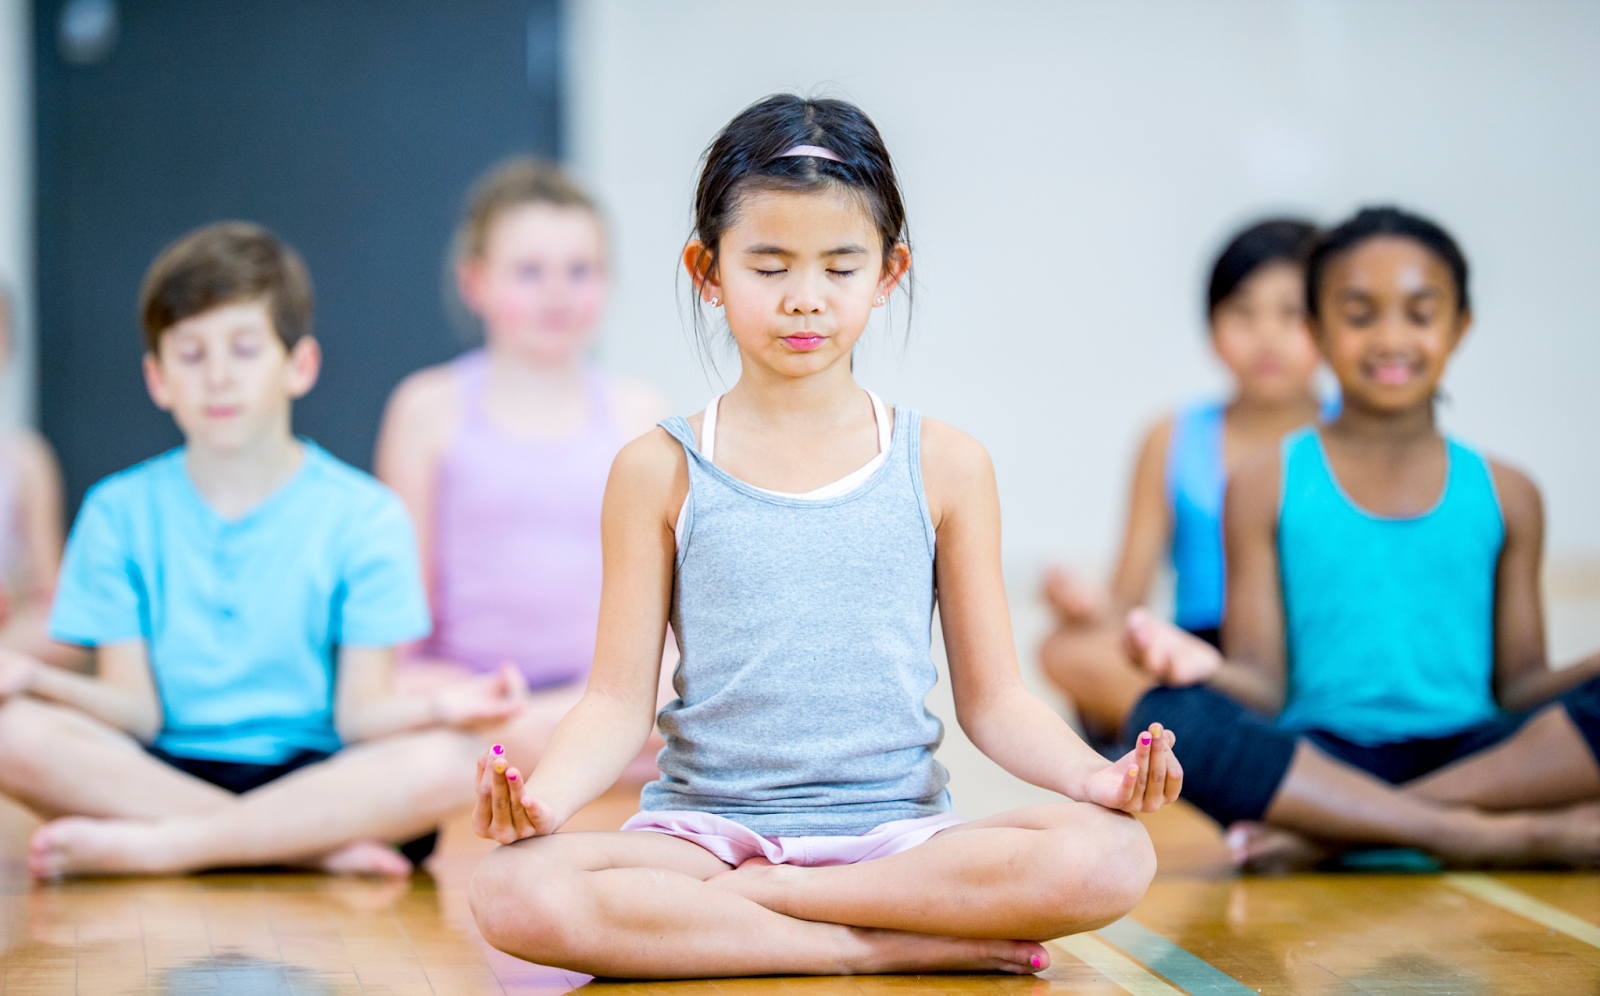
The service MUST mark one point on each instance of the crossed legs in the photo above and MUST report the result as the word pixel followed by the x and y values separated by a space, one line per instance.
pixel 117 810
pixel 974 897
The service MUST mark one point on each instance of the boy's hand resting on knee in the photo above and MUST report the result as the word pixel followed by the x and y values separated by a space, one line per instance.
pixel 481 700
pixel 503 813
pixel 1169 654
pixel 1143 780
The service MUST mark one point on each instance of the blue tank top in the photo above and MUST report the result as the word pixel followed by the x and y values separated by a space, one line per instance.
pixel 804 629
pixel 1390 622
pixel 1197 479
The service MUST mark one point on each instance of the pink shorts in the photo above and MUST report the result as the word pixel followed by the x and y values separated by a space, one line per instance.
pixel 736 844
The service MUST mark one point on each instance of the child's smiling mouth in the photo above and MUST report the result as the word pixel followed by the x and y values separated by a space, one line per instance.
pixel 1392 373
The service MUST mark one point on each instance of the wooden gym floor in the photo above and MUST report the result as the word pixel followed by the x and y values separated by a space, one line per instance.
pixel 1201 930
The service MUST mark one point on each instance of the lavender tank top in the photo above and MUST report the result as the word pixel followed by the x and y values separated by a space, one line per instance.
pixel 517 538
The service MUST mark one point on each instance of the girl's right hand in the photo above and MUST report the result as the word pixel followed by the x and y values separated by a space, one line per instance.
pixel 1170 655
pixel 503 812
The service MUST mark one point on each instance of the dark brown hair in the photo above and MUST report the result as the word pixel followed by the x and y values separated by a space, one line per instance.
pixel 513 183
pixel 1375 222
pixel 1275 240
pixel 747 156
pixel 226 263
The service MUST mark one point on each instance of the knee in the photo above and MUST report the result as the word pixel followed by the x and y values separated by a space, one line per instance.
pixel 27 731
pixel 1110 867
pixel 521 906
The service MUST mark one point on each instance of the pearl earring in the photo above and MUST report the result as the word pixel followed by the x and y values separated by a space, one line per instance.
pixel 715 301
pixel 881 299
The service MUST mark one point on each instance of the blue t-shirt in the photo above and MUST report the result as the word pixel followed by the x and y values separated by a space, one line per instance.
pixel 243 619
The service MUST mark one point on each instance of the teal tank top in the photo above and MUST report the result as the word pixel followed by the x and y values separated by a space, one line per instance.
pixel 1390 622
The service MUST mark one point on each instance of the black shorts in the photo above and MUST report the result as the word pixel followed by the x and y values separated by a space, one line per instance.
pixel 1235 759
pixel 240 777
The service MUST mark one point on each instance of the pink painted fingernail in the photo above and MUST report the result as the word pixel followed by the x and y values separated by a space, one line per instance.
pixel 499 749
pixel 1144 740
pixel 511 776
pixel 1036 961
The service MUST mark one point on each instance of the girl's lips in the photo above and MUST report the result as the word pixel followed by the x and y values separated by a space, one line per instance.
pixel 1391 374
pixel 804 343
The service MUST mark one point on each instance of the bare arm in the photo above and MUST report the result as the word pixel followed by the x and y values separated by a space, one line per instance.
pixel 366 708
pixel 1253 630
pixel 610 724
pixel 39 500
pixel 123 695
pixel 421 418
pixel 1005 720
pixel 1523 678
pixel 1149 528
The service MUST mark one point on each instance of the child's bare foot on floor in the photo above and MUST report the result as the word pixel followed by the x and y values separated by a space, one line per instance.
pixel 890 951
pixel 1568 836
pixel 1269 850
pixel 366 857
pixel 78 845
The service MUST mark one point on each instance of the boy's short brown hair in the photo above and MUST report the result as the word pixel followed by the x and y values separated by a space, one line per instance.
pixel 226 263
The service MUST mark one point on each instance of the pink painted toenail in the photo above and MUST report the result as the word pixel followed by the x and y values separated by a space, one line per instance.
pixel 1036 961
pixel 499 749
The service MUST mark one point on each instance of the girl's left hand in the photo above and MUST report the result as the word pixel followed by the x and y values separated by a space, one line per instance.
pixel 1143 780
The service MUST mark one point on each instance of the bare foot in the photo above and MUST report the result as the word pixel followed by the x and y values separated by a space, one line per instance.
pixel 1074 599
pixel 1568 837
pixel 891 951
pixel 1269 850
pixel 367 858
pixel 78 845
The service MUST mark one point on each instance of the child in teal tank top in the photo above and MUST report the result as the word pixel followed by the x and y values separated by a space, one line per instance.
pixel 1383 630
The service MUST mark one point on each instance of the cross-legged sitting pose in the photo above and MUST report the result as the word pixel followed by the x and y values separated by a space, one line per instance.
pixel 1385 679
pixel 1255 308
pixel 798 533
pixel 243 595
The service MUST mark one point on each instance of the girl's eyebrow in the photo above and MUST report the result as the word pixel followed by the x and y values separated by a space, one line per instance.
pixel 767 249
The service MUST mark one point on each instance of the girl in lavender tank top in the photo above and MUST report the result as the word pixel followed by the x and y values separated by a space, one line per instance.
pixel 502 455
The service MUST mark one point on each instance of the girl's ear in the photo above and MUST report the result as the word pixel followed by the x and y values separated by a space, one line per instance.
pixel 699 260
pixel 469 284
pixel 895 269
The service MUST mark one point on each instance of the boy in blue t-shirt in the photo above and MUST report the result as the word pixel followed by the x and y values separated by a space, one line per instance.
pixel 243 596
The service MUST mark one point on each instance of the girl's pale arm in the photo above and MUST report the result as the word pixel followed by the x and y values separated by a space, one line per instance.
pixel 1006 721
pixel 609 726
pixel 418 422
pixel 39 486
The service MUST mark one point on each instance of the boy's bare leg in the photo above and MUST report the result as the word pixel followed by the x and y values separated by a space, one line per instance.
pixel 1090 665
pixel 635 904
pixel 387 790
pixel 58 761
pixel 1036 873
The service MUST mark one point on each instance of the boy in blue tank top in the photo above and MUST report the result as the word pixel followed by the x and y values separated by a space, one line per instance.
pixel 1383 606
pixel 242 595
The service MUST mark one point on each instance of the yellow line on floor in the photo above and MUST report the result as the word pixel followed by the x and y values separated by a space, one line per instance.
pixel 1492 890
pixel 1115 965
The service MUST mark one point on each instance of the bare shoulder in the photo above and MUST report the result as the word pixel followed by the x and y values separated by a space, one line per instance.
pixel 1157 438
pixel 422 413
pixel 1520 501
pixel 36 458
pixel 651 470
pixel 638 404
pixel 950 455
pixel 1252 494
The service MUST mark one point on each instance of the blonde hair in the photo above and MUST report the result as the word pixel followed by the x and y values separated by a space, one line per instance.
pixel 511 184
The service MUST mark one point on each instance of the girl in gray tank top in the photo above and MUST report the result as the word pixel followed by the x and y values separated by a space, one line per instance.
pixel 801 823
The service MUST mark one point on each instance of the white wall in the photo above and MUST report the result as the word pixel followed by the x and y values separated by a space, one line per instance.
pixel 1071 167
pixel 16 204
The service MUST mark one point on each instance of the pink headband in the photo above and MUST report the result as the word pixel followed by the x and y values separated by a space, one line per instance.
pixel 810 150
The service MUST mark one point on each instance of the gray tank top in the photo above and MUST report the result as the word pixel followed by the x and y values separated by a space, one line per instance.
pixel 804 627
